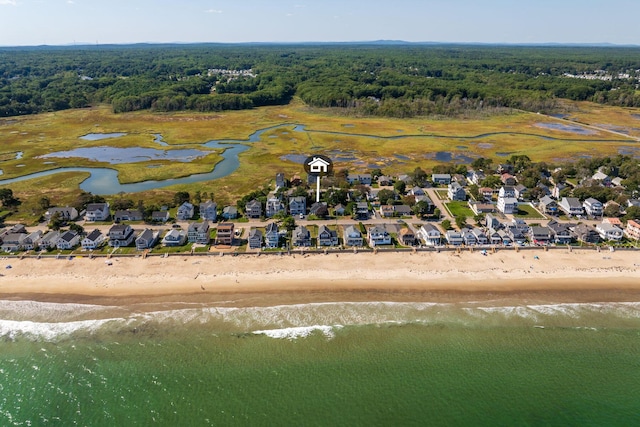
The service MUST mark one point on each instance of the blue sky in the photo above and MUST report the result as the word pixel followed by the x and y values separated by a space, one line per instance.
pixel 36 22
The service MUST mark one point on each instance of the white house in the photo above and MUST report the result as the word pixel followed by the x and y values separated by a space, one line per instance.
pixel 272 235
pixel 507 205
pixel 378 235
pixel 430 235
pixel 571 206
pixel 609 232
pixel 97 212
pixel 352 237
pixel 93 240
pixel 68 240
pixel 593 207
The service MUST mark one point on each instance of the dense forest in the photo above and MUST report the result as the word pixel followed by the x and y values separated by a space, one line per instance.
pixel 399 80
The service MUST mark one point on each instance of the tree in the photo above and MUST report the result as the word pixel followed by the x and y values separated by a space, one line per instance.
pixel 446 224
pixel 77 228
pixel 7 198
pixel 418 176
pixel 386 196
pixel 289 223
pixel 181 197
pixel 421 208
pixel 492 181
pixel 400 187
pixel 613 210
pixel 437 213
pixel 44 203
pixel 633 212
pixel 461 221
pixel 56 221
pixel 122 204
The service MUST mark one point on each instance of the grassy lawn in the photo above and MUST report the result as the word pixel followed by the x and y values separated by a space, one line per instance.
pixel 528 212
pixel 459 208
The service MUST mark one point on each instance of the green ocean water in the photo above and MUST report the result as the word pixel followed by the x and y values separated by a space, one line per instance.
pixel 321 364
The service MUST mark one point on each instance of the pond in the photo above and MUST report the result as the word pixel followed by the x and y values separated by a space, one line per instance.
pixel 579 130
pixel 100 136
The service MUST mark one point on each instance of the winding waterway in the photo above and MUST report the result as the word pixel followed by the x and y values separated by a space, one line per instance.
pixel 104 181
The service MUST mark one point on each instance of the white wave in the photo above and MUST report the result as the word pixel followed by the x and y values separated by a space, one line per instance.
pixel 12 329
pixel 300 332
pixel 30 310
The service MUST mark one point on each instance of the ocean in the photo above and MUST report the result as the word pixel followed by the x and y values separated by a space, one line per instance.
pixel 322 364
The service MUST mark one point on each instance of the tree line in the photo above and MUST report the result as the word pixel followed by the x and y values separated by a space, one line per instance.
pixel 367 79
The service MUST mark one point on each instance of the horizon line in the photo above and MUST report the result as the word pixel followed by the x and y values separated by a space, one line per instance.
pixel 387 42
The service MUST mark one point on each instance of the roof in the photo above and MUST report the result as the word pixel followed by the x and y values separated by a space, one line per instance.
pixel 94 235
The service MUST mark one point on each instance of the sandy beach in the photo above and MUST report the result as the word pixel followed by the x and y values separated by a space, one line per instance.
pixel 557 275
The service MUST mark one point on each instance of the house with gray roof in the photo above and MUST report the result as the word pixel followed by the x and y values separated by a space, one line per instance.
pixel 120 235
pixel 352 236
pixel 93 240
pixel 185 211
pixel 146 239
pixel 301 236
pixel 209 210
pixel 174 238
pixel 272 235
pixel 68 240
pixel 327 236
pixel 378 235
pixel 66 213
pixel 198 232
pixel 571 206
pixel 430 235
pixel 255 238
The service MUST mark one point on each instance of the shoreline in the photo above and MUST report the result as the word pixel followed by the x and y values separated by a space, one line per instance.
pixel 539 276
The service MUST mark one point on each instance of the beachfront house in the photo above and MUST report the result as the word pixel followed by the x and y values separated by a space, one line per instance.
pixel 541 236
pixel 185 211
pixel 407 237
pixel 378 235
pixel 209 210
pixel 430 235
pixel 585 233
pixel 255 238
pixel 469 238
pixel 174 238
pixel 224 235
pixel 301 236
pixel 120 235
pixel 68 240
pixel 633 230
pixel 97 212
pixel 352 237
pixel 327 236
pixel 609 232
pixel 481 237
pixel 93 240
pixel 49 240
pixel 12 242
pixel 561 233
pixel 146 239
pixel 454 238
pixel 272 235
pixel 198 232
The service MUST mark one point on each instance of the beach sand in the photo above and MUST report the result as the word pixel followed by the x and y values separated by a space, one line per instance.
pixel 248 280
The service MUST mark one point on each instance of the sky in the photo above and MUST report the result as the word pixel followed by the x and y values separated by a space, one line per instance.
pixel 63 22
